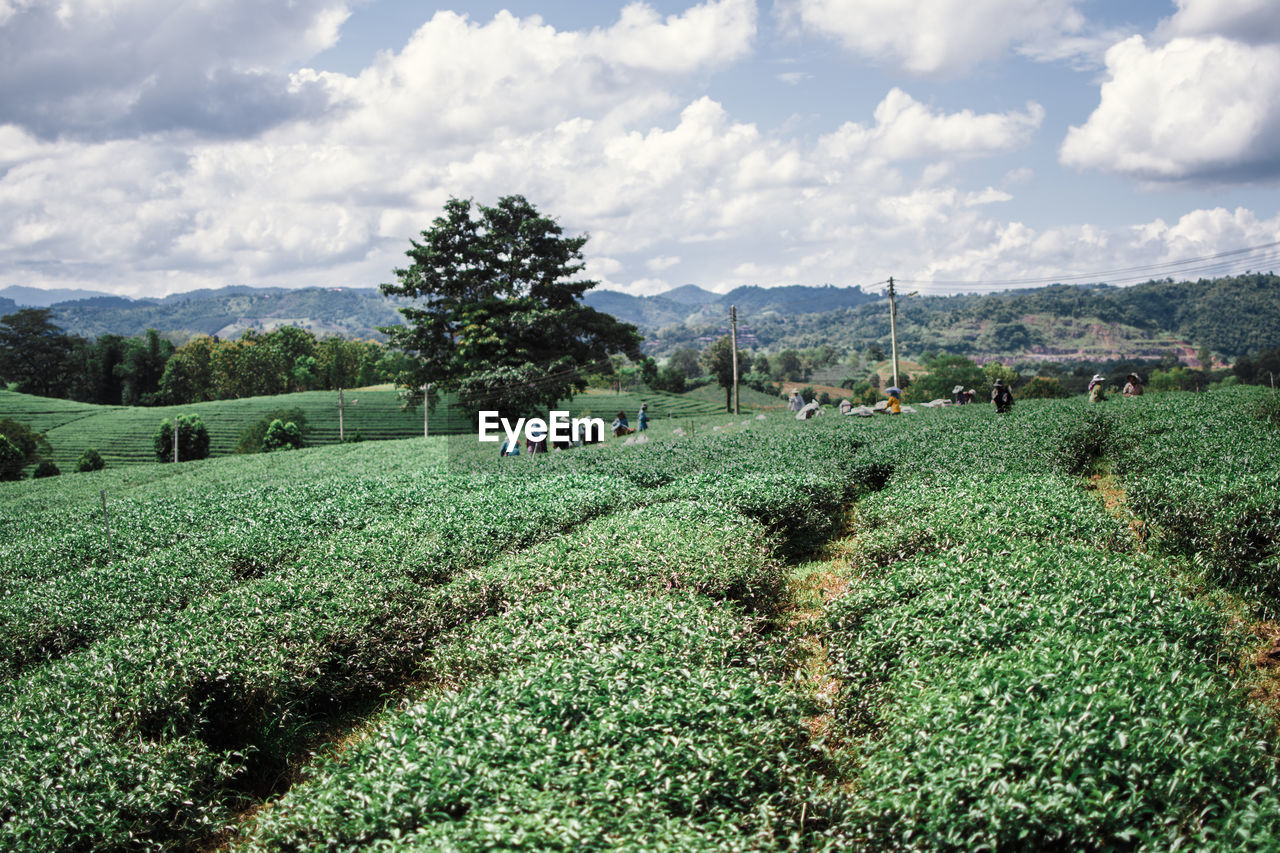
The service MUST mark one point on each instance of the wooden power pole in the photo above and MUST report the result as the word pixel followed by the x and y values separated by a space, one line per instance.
pixel 893 330
pixel 426 411
pixel 733 340
pixel 341 435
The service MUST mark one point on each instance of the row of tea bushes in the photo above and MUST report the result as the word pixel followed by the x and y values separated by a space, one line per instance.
pixel 1052 689
pixel 630 722
pixel 152 733
pixel 1205 470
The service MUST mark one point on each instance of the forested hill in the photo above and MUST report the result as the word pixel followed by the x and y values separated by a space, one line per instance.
pixel 690 305
pixel 229 311
pixel 1232 316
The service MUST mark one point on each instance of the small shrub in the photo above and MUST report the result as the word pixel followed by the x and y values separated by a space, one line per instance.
pixel 251 439
pixel 46 469
pixel 282 436
pixel 353 438
pixel 90 460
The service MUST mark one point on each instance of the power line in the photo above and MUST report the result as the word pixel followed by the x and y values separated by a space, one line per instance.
pixel 1263 253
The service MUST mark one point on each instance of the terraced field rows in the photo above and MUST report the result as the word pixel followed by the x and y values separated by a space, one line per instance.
pixel 589 649
pixel 123 435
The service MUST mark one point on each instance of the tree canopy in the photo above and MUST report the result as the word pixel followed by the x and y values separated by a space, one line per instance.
pixel 499 314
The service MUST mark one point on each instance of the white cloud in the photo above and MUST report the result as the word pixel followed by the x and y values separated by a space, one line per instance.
pixel 1013 251
pixel 1191 109
pixel 794 78
pixel 94 68
pixel 906 129
pixel 1250 21
pixel 664 262
pixel 936 36
pixel 457 81
pixel 618 142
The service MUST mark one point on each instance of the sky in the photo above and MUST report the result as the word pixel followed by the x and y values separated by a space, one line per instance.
pixel 154 146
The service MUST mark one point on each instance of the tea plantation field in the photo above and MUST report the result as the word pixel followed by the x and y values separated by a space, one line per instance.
pixel 418 645
pixel 123 434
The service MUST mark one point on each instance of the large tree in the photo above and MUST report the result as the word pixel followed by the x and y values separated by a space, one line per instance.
pixel 34 353
pixel 498 314
pixel 718 360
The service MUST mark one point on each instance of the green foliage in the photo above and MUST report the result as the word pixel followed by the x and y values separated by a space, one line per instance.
pixel 35 355
pixel 31 447
pixel 45 469
pixel 251 439
pixel 718 361
pixel 1014 673
pixel 1086 441
pixel 1177 379
pixel 1043 388
pixel 669 378
pixel 1203 470
pixel 11 460
pixel 1050 688
pixel 193 439
pixel 281 436
pixel 1268 409
pixel 944 373
pixel 499 316
pixel 90 460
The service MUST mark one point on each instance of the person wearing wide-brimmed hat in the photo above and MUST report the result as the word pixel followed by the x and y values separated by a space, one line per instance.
pixel 895 400
pixel 1001 396
pixel 958 395
pixel 1132 385
pixel 1097 388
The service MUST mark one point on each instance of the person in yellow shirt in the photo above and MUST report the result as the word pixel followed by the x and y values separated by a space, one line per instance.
pixel 895 400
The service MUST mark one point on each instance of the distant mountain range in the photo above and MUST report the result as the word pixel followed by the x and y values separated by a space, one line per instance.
pixel 690 305
pixel 1232 316
pixel 226 312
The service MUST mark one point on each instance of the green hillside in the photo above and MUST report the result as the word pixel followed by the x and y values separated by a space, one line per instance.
pixel 123 434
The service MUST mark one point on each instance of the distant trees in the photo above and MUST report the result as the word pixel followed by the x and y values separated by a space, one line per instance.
pixel 193 439
pixel 687 360
pixel 1043 388
pixel 37 357
pixel 264 363
pixel 945 372
pixel 34 352
pixel 787 366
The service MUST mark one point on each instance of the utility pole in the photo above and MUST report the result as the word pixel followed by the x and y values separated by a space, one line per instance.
pixel 426 410
pixel 341 436
pixel 175 442
pixel 893 330
pixel 733 339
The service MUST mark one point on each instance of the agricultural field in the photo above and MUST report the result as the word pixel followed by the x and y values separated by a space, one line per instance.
pixel 945 631
pixel 123 434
